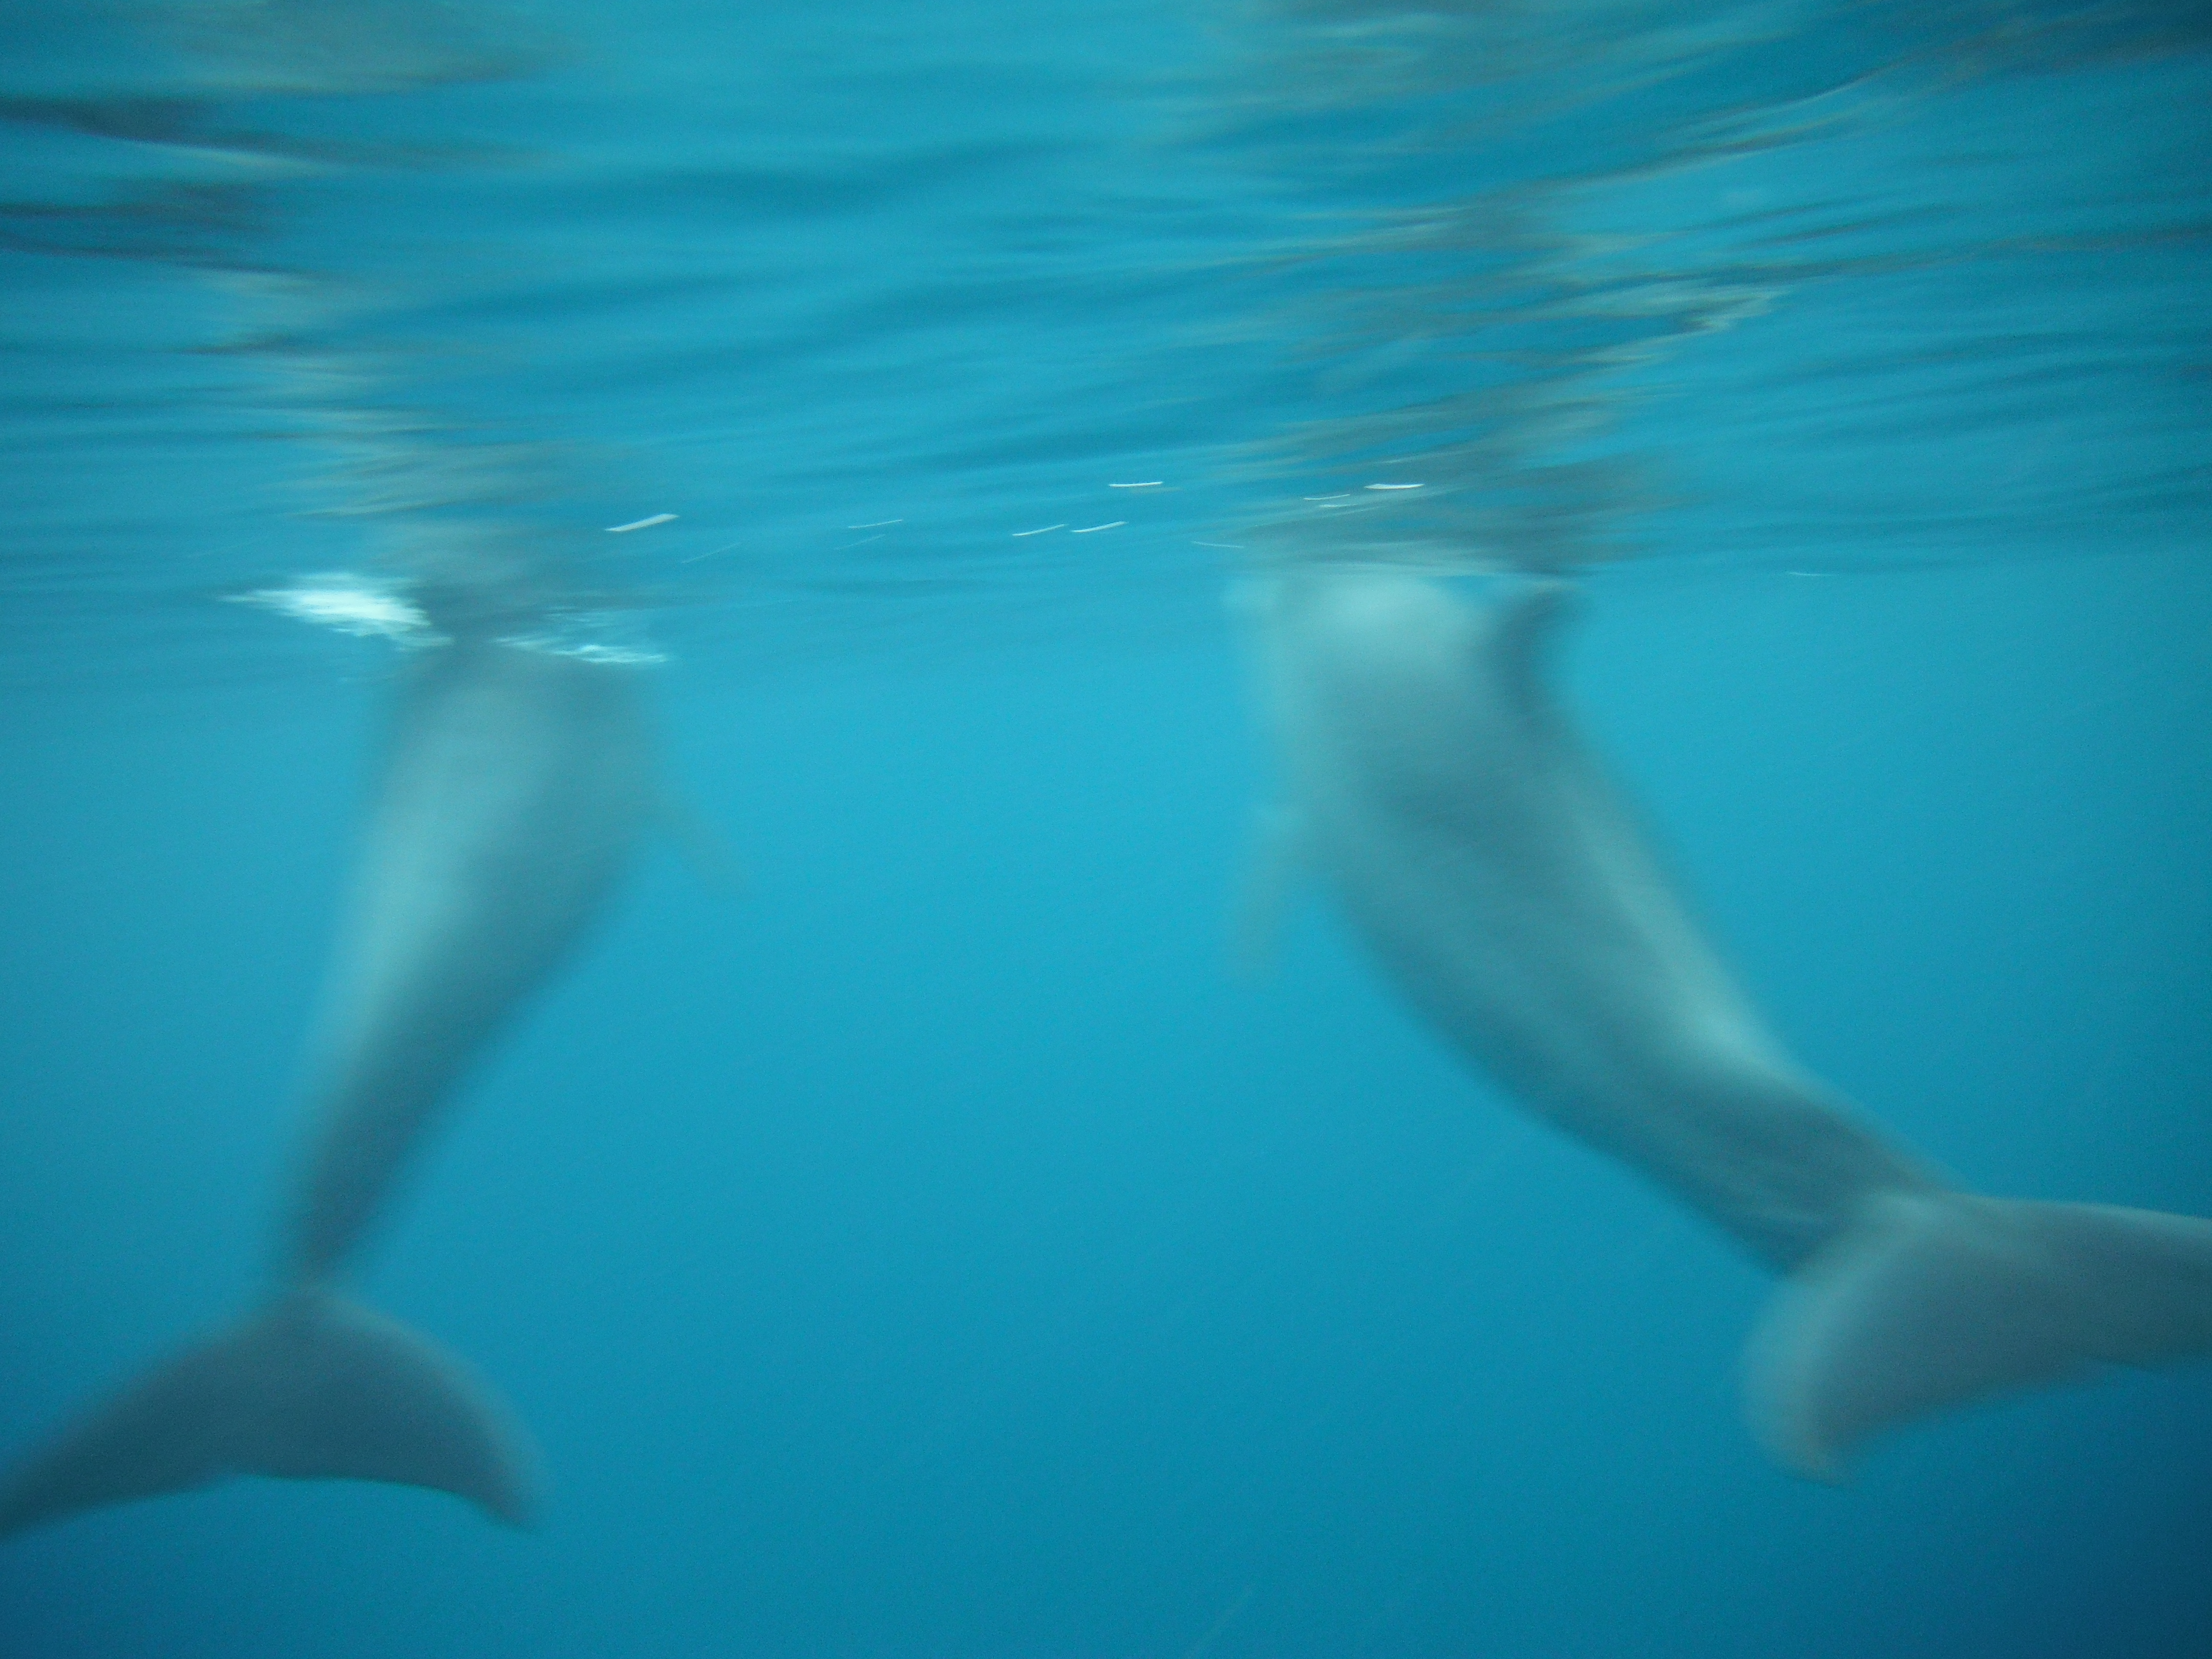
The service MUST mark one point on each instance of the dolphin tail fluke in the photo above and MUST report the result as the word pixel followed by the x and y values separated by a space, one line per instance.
pixel 1936 1298
pixel 314 1387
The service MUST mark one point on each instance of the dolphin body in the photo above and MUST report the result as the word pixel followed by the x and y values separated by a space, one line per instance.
pixel 1511 893
pixel 515 785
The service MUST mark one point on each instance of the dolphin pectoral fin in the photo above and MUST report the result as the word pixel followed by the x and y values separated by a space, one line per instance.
pixel 1935 1299
pixel 314 1387
pixel 1263 898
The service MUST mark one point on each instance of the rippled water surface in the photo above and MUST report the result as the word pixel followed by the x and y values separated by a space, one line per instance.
pixel 863 298
pixel 915 1240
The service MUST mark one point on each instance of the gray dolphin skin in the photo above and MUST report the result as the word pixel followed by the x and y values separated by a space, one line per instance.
pixel 1510 893
pixel 515 785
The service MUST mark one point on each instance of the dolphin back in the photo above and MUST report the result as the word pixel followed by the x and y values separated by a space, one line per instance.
pixel 1502 879
pixel 517 787
pixel 314 1387
pixel 1508 887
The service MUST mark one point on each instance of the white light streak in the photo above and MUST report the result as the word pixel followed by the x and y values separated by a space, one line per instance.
pixel 349 603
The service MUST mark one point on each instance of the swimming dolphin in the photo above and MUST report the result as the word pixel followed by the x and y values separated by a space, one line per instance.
pixel 514 787
pixel 1512 895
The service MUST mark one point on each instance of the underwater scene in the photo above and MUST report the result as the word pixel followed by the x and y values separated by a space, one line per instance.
pixel 1250 829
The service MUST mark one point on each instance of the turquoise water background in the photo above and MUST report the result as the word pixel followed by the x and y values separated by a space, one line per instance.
pixel 920 1240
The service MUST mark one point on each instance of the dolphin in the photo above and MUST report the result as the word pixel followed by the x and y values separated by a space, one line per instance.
pixel 514 787
pixel 1510 891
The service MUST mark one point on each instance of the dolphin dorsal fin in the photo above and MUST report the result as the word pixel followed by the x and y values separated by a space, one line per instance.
pixel 1517 645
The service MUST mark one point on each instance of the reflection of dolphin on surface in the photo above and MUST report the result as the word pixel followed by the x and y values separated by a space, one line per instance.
pixel 1510 893
pixel 514 787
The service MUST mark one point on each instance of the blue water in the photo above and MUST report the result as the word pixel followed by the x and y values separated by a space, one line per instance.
pixel 925 1243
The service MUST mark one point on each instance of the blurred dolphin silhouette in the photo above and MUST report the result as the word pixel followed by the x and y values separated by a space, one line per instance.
pixel 514 787
pixel 1511 893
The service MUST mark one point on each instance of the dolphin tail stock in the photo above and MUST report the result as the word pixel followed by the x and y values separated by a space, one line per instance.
pixel 314 1386
pixel 1935 1298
